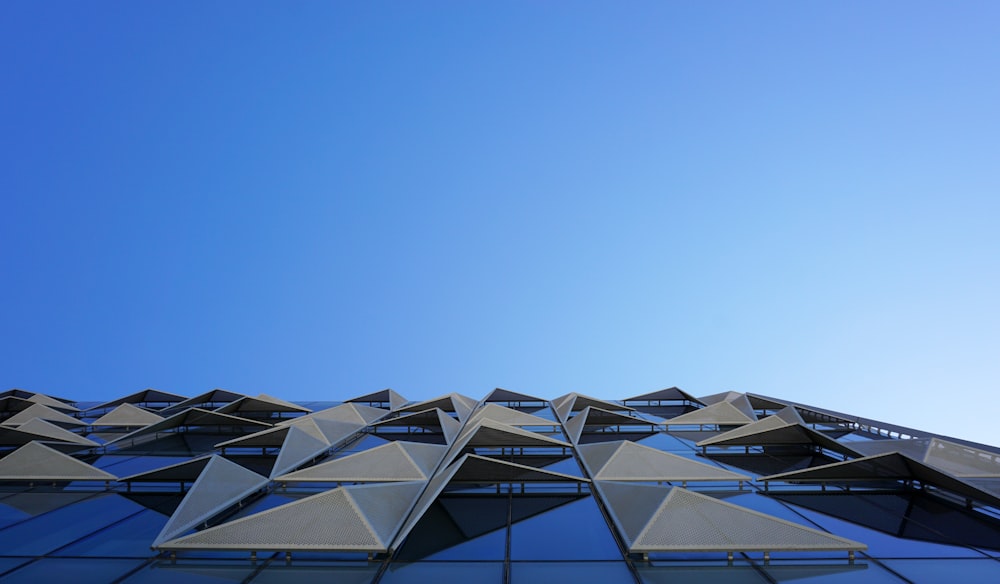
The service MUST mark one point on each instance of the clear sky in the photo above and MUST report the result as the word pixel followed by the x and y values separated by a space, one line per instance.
pixel 321 199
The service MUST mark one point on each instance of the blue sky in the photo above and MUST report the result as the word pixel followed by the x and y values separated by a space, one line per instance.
pixel 318 199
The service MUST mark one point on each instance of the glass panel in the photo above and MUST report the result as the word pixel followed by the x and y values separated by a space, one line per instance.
pixel 665 573
pixel 47 532
pixel 604 572
pixel 443 573
pixel 860 572
pixel 970 570
pixel 129 538
pixel 165 572
pixel 572 531
pixel 79 571
pixel 277 572
pixel 22 506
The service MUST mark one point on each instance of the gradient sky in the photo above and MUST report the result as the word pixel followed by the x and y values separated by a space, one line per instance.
pixel 321 199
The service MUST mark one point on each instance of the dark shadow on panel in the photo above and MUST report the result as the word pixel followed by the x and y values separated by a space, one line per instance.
pixel 906 514
pixel 456 519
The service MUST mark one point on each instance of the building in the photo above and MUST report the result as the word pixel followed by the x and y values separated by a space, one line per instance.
pixel 660 487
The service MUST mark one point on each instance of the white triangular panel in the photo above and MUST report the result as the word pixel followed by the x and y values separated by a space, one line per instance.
pixel 297 448
pixel 686 521
pixel 44 412
pixel 41 398
pixel 36 462
pixel 49 430
pixel 356 518
pixel 127 415
pixel 636 462
pixel 220 485
pixel 719 413
pixel 388 462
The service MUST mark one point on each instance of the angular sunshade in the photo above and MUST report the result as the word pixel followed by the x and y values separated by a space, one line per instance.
pixel 127 415
pixel 721 413
pixel 657 519
pixel 394 461
pixel 366 518
pixel 36 462
pixel 45 413
pixel 49 430
pixel 221 484
pixel 628 461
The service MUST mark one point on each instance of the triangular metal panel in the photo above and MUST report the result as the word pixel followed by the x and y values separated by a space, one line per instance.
pixel 209 397
pixel 427 457
pixel 366 518
pixel 596 455
pixel 489 433
pixel 45 400
pixel 962 461
pixel 914 448
pixel 351 412
pixel 463 405
pixel 889 466
pixel 479 469
pixel 389 396
pixel 721 413
pixel 269 438
pixel 886 466
pixel 192 417
pixel 719 397
pixel 790 415
pixel 492 411
pixel 754 429
pixel 688 521
pixel 385 508
pixel 562 405
pixel 505 395
pixel 669 394
pixel 388 462
pixel 220 485
pixel 774 431
pixel 685 521
pixel 261 403
pixel 574 426
pixel 636 462
pixel 36 462
pixel 181 472
pixel 311 426
pixel 127 415
pixel 601 417
pixel 141 397
pixel 450 427
pixel 44 412
pixel 297 449
pixel 333 430
pixel 49 430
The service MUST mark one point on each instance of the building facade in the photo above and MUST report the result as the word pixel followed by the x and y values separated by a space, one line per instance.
pixel 508 488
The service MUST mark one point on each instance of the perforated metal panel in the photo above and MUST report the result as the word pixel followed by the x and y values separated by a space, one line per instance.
pixel 495 434
pixel 689 521
pixel 509 416
pixel 656 519
pixel 127 415
pixel 36 462
pixel 297 449
pixel 961 461
pixel 221 484
pixel 328 521
pixel 388 462
pixel 635 462
pixel 719 413
pixel 49 430
pixel 43 412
